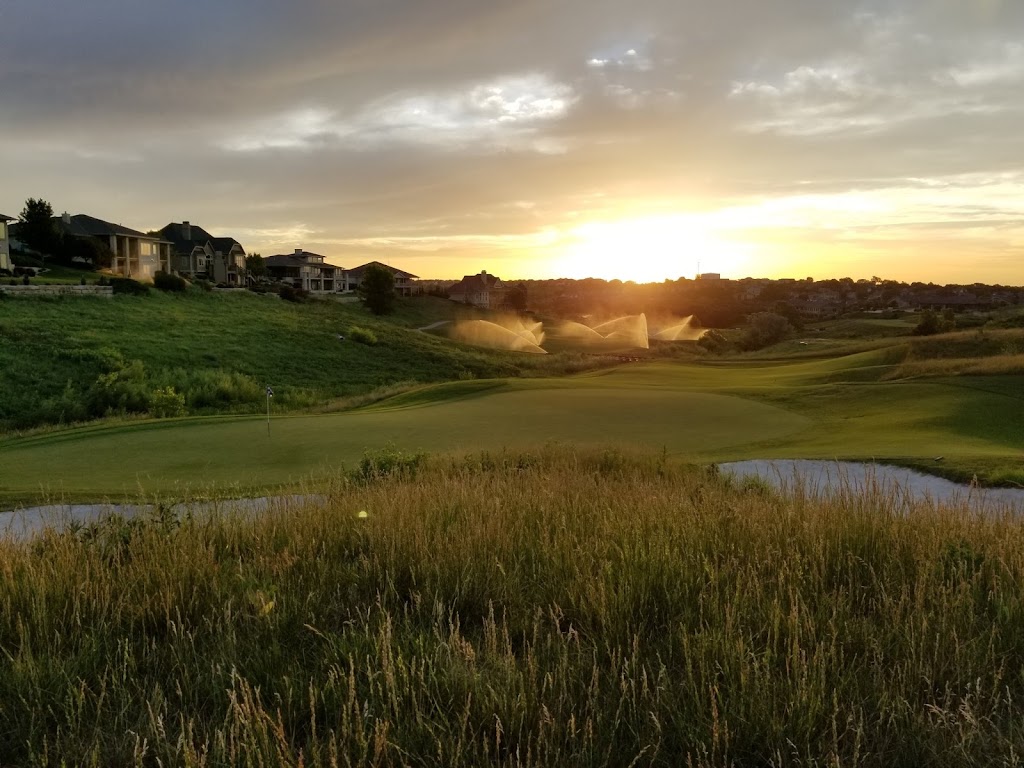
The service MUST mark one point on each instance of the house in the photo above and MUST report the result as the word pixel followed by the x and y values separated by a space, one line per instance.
pixel 481 290
pixel 5 246
pixel 404 285
pixel 307 271
pixel 133 254
pixel 195 253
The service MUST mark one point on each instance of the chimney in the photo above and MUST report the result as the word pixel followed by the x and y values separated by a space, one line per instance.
pixel 186 230
pixel 65 217
pixel 298 251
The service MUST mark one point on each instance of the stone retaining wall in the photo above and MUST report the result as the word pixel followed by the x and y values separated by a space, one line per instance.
pixel 104 291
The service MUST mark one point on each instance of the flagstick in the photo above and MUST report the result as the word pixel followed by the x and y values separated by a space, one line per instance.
pixel 268 411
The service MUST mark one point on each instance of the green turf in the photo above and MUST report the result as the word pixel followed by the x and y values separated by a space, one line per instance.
pixel 219 351
pixel 826 408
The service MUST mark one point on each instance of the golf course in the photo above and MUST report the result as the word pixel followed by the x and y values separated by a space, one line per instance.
pixel 473 556
pixel 844 407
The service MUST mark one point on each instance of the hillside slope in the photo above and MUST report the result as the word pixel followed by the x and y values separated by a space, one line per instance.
pixel 71 360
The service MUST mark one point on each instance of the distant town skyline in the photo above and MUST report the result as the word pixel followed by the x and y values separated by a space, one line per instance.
pixel 537 139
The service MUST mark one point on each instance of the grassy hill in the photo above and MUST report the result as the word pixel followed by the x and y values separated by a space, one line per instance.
pixel 67 360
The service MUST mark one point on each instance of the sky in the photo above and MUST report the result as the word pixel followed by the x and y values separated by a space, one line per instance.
pixel 632 139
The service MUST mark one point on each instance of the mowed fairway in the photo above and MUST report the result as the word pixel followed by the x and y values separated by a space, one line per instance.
pixel 826 408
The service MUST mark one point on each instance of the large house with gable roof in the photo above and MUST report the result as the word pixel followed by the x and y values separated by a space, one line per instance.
pixel 483 290
pixel 305 270
pixel 133 254
pixel 195 253
pixel 404 285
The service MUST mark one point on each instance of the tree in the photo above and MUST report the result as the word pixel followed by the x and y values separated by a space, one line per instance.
pixel 516 297
pixel 76 250
pixel 37 229
pixel 255 265
pixel 377 289
pixel 764 329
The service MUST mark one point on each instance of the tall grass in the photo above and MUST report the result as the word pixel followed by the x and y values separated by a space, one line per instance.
pixel 996 365
pixel 539 609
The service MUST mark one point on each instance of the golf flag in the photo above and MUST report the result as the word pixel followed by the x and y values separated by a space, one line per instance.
pixel 270 392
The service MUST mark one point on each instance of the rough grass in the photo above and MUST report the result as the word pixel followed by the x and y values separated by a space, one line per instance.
pixel 996 365
pixel 526 609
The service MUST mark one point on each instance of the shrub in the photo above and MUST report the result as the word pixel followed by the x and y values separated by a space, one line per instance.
pixel 764 329
pixel 121 391
pixel 171 283
pixel 713 342
pixel 290 293
pixel 166 402
pixel 128 287
pixel 362 335
pixel 205 388
pixel 388 462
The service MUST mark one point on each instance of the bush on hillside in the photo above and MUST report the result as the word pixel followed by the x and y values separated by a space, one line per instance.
pixel 931 323
pixel 290 293
pixel 763 330
pixel 714 342
pixel 208 388
pixel 122 391
pixel 125 286
pixel 166 402
pixel 171 283
pixel 362 335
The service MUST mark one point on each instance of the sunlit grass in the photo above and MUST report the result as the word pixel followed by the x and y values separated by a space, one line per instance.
pixel 546 608
pixel 996 365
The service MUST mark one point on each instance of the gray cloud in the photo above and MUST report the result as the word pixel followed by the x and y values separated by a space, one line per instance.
pixel 405 128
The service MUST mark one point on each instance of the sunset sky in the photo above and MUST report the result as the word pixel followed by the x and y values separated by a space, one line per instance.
pixel 630 139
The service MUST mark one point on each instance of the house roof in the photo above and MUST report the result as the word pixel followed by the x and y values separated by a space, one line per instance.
pixel 89 226
pixel 358 271
pixel 475 284
pixel 297 260
pixel 199 237
pixel 6 218
pixel 224 244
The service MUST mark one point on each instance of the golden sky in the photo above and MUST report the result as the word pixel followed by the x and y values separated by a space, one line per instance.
pixel 637 140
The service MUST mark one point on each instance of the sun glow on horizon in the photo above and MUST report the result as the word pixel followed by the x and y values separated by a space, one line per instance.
pixel 651 249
